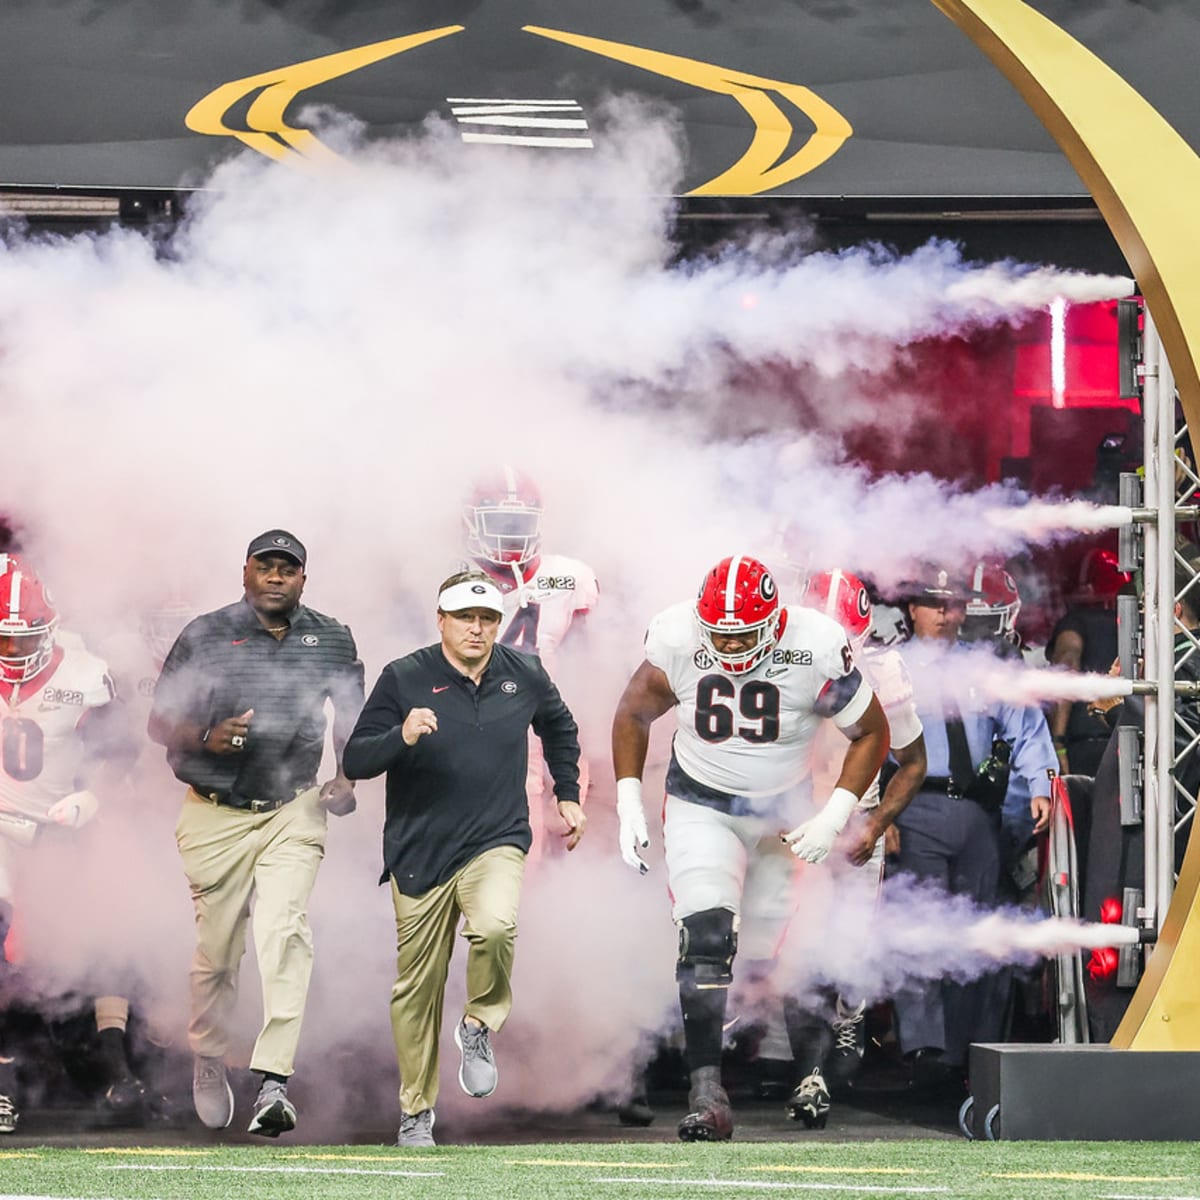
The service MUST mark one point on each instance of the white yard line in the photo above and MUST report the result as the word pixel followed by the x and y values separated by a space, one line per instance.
pixel 763 1184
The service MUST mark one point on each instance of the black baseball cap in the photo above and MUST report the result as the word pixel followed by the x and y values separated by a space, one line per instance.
pixel 277 541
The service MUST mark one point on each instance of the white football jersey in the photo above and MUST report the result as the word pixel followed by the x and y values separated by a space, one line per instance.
pixel 41 749
pixel 750 734
pixel 538 613
pixel 884 669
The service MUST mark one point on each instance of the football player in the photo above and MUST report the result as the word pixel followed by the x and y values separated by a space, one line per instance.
pixel 992 607
pixel 136 822
pixel 62 730
pixel 750 681
pixel 833 1044
pixel 546 598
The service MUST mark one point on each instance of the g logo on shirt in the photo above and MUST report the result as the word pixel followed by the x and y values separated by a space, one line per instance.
pixel 311 639
pixel 508 687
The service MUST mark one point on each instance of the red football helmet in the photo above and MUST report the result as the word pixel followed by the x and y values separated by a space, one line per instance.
pixel 993 603
pixel 844 597
pixel 28 622
pixel 1100 579
pixel 504 520
pixel 739 597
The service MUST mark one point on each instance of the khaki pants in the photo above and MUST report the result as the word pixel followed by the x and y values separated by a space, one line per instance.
pixel 229 856
pixel 486 893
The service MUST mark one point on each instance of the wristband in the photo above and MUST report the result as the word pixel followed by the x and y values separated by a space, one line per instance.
pixel 841 803
pixel 629 791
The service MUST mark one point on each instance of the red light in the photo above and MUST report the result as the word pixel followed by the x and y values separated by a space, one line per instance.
pixel 1111 911
pixel 1103 963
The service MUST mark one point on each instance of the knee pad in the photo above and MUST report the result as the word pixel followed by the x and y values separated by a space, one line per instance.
pixel 707 944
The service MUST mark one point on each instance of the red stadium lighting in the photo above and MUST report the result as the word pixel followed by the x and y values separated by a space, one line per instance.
pixel 1103 963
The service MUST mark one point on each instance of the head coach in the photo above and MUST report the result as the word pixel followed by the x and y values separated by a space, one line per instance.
pixel 449 724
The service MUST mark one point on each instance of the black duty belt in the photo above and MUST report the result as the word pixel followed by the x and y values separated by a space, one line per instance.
pixel 942 784
pixel 225 800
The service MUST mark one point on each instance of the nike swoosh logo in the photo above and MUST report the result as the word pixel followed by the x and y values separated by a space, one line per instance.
pixel 240 641
pixel 773 671
pixel 443 688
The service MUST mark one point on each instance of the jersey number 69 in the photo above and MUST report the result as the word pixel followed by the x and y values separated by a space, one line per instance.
pixel 718 699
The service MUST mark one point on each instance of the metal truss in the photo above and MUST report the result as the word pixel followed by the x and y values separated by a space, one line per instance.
pixel 1156 541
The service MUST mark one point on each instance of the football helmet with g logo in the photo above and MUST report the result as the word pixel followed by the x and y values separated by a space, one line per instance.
pixel 738 598
pixel 28 622
pixel 993 604
pixel 504 520
pixel 845 598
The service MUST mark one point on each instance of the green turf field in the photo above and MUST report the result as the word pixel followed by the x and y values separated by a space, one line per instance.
pixel 1017 1170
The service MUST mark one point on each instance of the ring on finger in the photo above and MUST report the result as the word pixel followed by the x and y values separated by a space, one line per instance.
pixel 237 740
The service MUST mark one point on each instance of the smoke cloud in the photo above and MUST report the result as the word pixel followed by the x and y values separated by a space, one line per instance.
pixel 342 354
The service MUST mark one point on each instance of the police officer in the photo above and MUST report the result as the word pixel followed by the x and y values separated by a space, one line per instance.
pixel 950 831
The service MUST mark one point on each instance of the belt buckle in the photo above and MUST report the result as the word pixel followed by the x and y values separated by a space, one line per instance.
pixel 262 806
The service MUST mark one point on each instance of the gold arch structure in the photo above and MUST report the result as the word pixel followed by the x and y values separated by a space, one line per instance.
pixel 1145 179
pixel 763 165
pixel 266 129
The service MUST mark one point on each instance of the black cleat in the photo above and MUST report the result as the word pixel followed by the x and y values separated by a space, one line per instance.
pixel 810 1101
pixel 849 1042
pixel 711 1116
pixel 8 1115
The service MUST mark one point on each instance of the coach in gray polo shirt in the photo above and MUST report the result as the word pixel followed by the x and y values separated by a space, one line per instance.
pixel 240 707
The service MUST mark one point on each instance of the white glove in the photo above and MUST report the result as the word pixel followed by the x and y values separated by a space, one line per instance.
pixel 633 835
pixel 74 810
pixel 813 839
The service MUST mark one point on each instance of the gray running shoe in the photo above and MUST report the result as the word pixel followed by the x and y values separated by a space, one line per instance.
pixel 477 1075
pixel 416 1129
pixel 211 1093
pixel 274 1113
